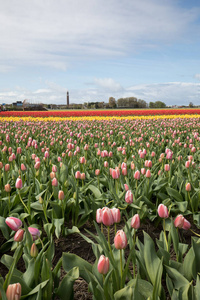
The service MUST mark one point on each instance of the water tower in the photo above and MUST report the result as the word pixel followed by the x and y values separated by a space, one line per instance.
pixel 67 99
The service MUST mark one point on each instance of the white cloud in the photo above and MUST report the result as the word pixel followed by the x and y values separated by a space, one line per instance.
pixel 179 93
pixel 55 33
pixel 197 76
pixel 108 84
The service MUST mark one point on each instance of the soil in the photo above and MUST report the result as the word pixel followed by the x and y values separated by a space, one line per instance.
pixel 74 243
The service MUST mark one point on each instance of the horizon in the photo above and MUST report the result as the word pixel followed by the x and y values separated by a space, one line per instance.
pixel 96 50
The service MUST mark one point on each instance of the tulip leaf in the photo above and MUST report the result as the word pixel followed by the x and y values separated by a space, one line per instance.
pixel 174 194
pixel 71 260
pixel 35 290
pixel 197 288
pixel 28 276
pixel 189 268
pixel 177 278
pixel 4 228
pixel 2 292
pixel 25 288
pixel 152 261
pixel 58 225
pixel 65 289
pixel 196 248
pixel 95 191
pixel 157 285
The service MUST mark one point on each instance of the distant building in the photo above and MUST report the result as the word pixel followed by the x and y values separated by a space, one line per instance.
pixel 17 104
pixel 67 98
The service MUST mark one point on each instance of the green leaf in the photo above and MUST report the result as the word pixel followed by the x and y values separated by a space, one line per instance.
pixel 3 294
pixel 196 248
pixel 4 228
pixel 95 191
pixel 152 261
pixel 58 225
pixel 197 288
pixel 28 276
pixel 189 269
pixel 174 194
pixel 177 278
pixel 71 260
pixel 65 290
pixel 35 290
pixel 157 285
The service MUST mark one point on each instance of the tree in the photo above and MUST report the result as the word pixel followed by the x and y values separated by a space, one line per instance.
pixel 191 104
pixel 142 103
pixel 151 105
pixel 112 102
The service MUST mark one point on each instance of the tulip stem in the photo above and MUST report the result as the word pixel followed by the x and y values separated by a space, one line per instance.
pixel 24 203
pixel 41 242
pixel 190 202
pixel 195 233
pixel 165 234
pixel 102 227
pixel 134 239
pixel 121 269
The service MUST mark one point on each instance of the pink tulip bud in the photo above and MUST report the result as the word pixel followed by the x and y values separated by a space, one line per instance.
pixel 82 160
pixel 18 237
pixel 105 164
pixel 78 175
pixel 61 195
pixel 13 291
pixel 179 221
pixel 163 211
pixel 135 222
pixel 116 214
pixel 115 174
pixel 107 217
pixel 54 169
pixel 34 232
pixel 7 188
pixel 120 240
pixel 187 164
pixel 37 165
pixel 7 167
pixel 148 173
pixel 137 175
pixel 186 224
pixel 129 197
pixel 167 168
pixel 82 176
pixel 188 187
pixel 52 175
pixel 13 223
pixel 46 154
pixel 126 187
pixel 124 172
pixel 97 172
pixel 54 182
pixel 103 265
pixel 99 215
pixel 1 165
pixel 18 183
pixel 23 167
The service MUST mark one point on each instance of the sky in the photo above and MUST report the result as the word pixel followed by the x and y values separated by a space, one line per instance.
pixel 96 49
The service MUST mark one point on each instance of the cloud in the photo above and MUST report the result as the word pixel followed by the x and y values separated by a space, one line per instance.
pixel 197 76
pixel 55 34
pixel 179 93
pixel 108 84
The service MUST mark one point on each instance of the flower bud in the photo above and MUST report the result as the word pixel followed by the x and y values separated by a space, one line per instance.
pixel 137 175
pixel 188 187
pixel 54 182
pixel 18 183
pixel 97 172
pixel 18 237
pixel 7 188
pixel 103 265
pixel 61 195
pixel 163 211
pixel 120 240
pixel 167 168
pixel 116 214
pixel 135 222
pixel 13 223
pixel 107 217
pixel 7 167
pixel 34 250
pixel 82 176
pixel 23 167
pixel 78 175
pixel 99 215
pixel 179 221
pixel 148 173
pixel 13 291
pixel 34 232
pixel 129 197
pixel 186 224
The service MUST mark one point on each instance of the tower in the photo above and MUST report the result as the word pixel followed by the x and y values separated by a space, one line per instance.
pixel 67 98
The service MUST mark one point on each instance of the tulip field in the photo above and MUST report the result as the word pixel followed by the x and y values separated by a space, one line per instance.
pixel 121 187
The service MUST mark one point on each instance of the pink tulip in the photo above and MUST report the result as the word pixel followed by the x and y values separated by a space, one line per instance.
pixel 18 183
pixel 186 224
pixel 99 215
pixel 120 240
pixel 54 169
pixel 163 211
pixel 167 168
pixel 187 164
pixel 78 175
pixel 54 182
pixel 137 175
pixel 115 174
pixel 82 176
pixel 18 237
pixel 107 217
pixel 126 187
pixel 37 165
pixel 124 172
pixel 116 214
pixel 188 187
pixel 23 167
pixel 7 188
pixel 135 222
pixel 179 221
pixel 13 291
pixel 129 197
pixel 13 223
pixel 7 167
pixel 103 265
pixel 61 195
pixel 97 172
pixel 82 160
pixel 34 232
pixel 148 173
